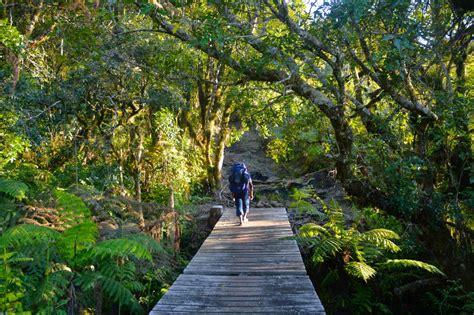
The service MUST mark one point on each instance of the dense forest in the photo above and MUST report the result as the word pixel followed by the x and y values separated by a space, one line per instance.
pixel 115 117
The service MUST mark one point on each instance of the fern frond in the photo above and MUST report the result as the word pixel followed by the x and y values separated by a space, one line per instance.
pixel 358 252
pixel 312 230
pixel 150 243
pixel 8 213
pixel 53 286
pixel 14 189
pixel 335 213
pixel 360 270
pixel 381 238
pixel 77 238
pixel 118 292
pixel 406 263
pixel 326 248
pixel 121 247
pixel 12 258
pixel 382 233
pixel 6 205
pixel 72 208
pixel 136 286
pixel 27 234
pixel 128 272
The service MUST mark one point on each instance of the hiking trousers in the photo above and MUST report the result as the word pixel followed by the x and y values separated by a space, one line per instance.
pixel 242 203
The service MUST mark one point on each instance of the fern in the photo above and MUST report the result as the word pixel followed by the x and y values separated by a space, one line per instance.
pixel 87 279
pixel 360 270
pixel 27 234
pixel 77 238
pixel 11 282
pixel 14 189
pixel 326 248
pixel 118 292
pixel 407 263
pixel 51 290
pixel 335 213
pixel 381 238
pixel 72 208
pixel 312 230
pixel 382 233
pixel 149 243
pixel 121 247
pixel 9 258
pixel 8 213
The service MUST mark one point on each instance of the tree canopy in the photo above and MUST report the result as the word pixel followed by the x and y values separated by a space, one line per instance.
pixel 138 101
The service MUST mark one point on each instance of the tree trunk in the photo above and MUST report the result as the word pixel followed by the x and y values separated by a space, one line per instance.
pixel 363 191
pixel 71 300
pixel 99 298
pixel 220 146
pixel 15 62
pixel 137 137
pixel 121 171
pixel 343 135
pixel 176 228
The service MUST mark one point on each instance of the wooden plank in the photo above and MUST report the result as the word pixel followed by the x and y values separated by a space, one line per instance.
pixel 224 281
pixel 260 292
pixel 216 301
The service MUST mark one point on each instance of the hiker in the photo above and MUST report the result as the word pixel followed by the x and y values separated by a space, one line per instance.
pixel 240 184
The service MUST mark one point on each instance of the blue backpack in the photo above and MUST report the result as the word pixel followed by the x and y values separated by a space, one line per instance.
pixel 239 178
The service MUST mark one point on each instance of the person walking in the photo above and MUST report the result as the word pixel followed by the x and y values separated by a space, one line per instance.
pixel 241 187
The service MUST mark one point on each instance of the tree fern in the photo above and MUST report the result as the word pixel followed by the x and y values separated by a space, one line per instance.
pixel 119 293
pixel 14 189
pixel 121 247
pixel 9 258
pixel 335 213
pixel 326 248
pixel 360 270
pixel 51 292
pixel 27 234
pixel 312 230
pixel 381 238
pixel 11 281
pixel 77 238
pixel 382 233
pixel 72 208
pixel 408 263
pixel 358 250
pixel 8 213
pixel 149 243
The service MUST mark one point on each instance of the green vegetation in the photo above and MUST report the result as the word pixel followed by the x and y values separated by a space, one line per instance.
pixel 114 117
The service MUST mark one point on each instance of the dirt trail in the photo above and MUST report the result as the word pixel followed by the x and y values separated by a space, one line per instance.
pixel 251 150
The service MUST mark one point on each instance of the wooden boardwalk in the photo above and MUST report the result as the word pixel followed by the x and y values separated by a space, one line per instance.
pixel 249 269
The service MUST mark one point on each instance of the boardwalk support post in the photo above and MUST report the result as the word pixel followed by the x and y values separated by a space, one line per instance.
pixel 214 215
